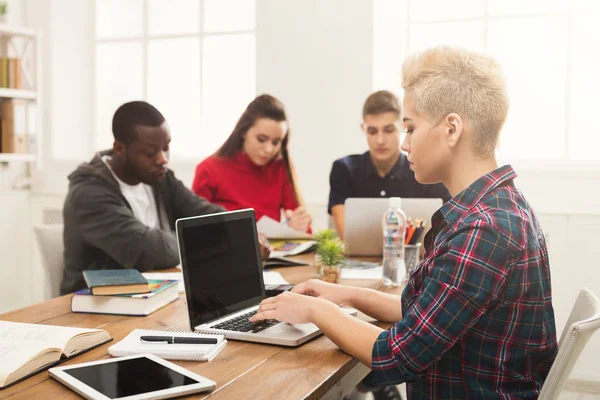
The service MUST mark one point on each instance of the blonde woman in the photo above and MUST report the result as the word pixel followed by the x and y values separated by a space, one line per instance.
pixel 476 317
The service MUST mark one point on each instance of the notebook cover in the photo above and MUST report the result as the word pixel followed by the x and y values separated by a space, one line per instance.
pixel 113 277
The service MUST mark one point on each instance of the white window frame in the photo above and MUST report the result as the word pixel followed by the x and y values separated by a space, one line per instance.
pixel 176 161
pixel 565 164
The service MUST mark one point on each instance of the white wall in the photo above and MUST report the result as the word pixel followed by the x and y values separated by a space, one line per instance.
pixel 317 57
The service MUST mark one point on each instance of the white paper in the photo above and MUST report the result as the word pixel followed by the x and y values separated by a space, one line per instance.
pixel 270 278
pixel 273 278
pixel 276 230
pixel 362 273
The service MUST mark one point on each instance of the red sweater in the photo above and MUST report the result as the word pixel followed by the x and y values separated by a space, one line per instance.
pixel 237 183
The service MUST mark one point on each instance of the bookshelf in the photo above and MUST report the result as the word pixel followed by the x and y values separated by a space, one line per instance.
pixel 19 82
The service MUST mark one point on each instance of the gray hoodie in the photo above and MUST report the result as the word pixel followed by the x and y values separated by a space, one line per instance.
pixel 101 232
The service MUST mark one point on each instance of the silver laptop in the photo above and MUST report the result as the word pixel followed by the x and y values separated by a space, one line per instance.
pixel 222 272
pixel 363 231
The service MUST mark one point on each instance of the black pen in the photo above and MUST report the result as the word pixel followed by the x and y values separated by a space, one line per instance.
pixel 178 340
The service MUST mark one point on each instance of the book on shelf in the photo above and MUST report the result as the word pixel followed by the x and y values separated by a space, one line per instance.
pixel 26 349
pixel 115 281
pixel 162 292
pixel 10 72
pixel 132 344
pixel 14 125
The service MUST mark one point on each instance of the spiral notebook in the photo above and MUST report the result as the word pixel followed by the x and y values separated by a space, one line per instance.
pixel 132 344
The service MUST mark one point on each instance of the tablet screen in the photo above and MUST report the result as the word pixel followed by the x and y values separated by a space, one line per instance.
pixel 129 377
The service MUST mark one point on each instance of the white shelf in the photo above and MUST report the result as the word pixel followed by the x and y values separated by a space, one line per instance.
pixel 6 30
pixel 6 157
pixel 17 94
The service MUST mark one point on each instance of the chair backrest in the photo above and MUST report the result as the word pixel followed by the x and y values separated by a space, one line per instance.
pixel 50 241
pixel 582 323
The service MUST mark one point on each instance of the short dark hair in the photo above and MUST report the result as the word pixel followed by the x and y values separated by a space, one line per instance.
pixel 380 102
pixel 131 114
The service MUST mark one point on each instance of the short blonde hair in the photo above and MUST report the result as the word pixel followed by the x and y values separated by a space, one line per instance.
pixel 446 80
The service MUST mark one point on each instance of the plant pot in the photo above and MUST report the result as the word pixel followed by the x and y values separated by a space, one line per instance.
pixel 331 273
pixel 317 264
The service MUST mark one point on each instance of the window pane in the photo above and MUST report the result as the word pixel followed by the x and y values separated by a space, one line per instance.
pixel 118 18
pixel 173 16
pixel 585 81
pixel 464 34
pixel 389 26
pixel 435 10
pixel 229 84
pixel 532 52
pixel 174 88
pixel 229 15
pixel 520 7
pixel 119 71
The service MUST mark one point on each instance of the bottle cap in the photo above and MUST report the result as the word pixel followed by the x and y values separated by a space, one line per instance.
pixel 395 202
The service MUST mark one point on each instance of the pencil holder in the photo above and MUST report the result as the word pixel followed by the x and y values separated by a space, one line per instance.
pixel 411 257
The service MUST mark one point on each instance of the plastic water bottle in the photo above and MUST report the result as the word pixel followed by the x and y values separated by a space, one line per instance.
pixel 394 227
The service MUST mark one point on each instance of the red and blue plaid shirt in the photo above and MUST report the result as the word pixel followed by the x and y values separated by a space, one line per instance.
pixel 477 311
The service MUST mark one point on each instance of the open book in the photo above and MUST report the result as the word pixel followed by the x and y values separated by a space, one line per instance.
pixel 197 352
pixel 28 348
pixel 284 248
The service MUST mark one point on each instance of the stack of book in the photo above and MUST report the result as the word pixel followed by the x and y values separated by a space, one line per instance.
pixel 123 292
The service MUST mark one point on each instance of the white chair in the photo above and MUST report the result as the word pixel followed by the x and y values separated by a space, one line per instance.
pixel 50 241
pixel 581 325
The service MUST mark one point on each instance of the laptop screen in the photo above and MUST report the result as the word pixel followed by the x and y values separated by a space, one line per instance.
pixel 221 264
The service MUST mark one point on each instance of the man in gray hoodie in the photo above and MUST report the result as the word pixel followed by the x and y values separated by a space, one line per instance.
pixel 121 208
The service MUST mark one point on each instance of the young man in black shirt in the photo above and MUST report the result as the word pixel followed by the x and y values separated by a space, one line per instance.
pixel 383 171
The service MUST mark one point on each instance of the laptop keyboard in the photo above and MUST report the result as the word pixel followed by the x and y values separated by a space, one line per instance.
pixel 241 324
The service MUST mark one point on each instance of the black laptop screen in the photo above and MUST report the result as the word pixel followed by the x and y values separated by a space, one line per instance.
pixel 221 266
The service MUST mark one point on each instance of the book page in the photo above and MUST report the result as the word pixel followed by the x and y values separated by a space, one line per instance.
pixel 38 337
pixel 275 230
pixel 22 343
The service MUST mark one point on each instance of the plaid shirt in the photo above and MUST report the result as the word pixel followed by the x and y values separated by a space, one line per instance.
pixel 477 311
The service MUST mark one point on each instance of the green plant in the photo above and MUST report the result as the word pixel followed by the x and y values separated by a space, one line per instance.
pixel 325 234
pixel 332 251
pixel 3 7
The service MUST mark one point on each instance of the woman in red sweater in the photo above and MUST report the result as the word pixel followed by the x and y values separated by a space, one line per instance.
pixel 252 169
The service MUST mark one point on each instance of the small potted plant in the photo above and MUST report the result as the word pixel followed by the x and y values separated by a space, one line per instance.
pixel 321 236
pixel 3 10
pixel 332 255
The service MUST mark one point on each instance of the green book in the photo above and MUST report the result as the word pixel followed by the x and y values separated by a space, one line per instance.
pixel 115 281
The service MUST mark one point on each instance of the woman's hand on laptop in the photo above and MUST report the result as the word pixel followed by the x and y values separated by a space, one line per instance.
pixel 337 294
pixel 292 308
pixel 298 219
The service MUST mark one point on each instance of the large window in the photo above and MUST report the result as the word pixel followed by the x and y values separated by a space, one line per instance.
pixel 195 60
pixel 547 50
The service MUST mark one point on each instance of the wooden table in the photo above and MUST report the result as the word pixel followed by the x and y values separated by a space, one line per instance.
pixel 317 369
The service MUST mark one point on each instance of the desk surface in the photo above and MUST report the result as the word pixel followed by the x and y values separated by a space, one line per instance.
pixel 241 370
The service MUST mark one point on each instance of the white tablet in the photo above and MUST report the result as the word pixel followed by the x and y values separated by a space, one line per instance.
pixel 142 376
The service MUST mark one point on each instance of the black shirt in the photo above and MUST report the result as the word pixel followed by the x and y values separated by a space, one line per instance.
pixel 356 176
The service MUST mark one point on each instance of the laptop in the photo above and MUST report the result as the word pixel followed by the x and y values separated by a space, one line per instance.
pixel 222 273
pixel 363 231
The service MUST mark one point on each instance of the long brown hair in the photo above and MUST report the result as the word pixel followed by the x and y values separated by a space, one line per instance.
pixel 263 106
